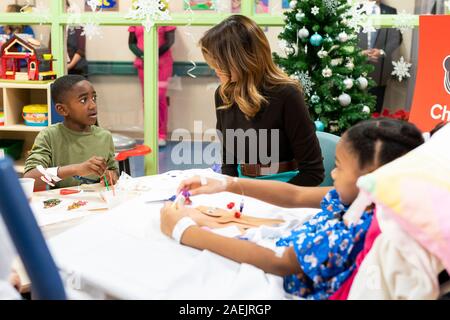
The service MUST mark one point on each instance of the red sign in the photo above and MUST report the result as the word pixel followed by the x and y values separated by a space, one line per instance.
pixel 431 104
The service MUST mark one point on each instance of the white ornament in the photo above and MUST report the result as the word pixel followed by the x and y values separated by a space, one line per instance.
pixel 148 11
pixel 91 29
pixel 282 44
pixel 366 109
pixel 306 82
pixel 336 62
pixel 315 10
pixel 348 83
pixel 327 72
pixel 331 5
pixel 363 83
pixel 289 50
pixel 401 69
pixel 349 65
pixel 292 4
pixel 343 37
pixel 303 33
pixel 93 4
pixel 322 53
pixel 315 99
pixel 357 14
pixel 344 100
pixel 299 16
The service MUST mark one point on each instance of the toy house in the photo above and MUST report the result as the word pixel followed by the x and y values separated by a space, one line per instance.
pixel 39 62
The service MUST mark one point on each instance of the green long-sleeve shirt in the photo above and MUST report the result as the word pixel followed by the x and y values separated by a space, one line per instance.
pixel 58 146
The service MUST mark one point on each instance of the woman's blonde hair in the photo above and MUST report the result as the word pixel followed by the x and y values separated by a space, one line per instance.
pixel 238 48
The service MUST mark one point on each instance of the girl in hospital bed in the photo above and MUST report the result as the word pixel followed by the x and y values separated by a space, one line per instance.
pixel 319 255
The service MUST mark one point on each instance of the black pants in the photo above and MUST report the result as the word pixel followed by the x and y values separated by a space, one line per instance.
pixel 379 93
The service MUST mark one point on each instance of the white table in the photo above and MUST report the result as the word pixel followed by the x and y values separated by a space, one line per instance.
pixel 123 254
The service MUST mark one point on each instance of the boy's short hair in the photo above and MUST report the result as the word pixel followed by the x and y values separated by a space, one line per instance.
pixel 61 85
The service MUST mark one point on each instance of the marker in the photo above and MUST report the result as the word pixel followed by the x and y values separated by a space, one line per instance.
pixel 178 198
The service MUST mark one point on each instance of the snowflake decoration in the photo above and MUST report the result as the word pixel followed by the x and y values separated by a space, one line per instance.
pixel 149 11
pixel 42 10
pixel 306 81
pixel 404 21
pixel 357 14
pixel 331 5
pixel 315 10
pixel 401 69
pixel 90 30
pixel 93 4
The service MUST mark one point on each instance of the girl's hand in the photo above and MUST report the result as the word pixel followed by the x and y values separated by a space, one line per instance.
pixel 170 216
pixel 201 185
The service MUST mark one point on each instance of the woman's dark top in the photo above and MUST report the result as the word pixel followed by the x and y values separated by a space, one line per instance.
pixel 76 43
pixel 285 111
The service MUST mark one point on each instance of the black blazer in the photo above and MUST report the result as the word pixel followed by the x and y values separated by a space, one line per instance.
pixel 388 39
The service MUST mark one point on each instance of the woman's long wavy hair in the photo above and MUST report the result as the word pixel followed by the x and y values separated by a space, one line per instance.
pixel 238 48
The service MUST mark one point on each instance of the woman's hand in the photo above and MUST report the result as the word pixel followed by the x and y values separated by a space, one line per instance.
pixel 201 185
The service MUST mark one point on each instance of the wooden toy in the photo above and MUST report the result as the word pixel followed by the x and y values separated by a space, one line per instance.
pixel 38 58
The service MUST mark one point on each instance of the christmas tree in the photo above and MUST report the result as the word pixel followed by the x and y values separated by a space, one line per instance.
pixel 321 50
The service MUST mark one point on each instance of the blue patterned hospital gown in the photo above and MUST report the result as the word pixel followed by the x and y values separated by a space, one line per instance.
pixel 326 250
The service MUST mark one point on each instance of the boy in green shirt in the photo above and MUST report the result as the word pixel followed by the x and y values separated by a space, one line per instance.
pixel 77 151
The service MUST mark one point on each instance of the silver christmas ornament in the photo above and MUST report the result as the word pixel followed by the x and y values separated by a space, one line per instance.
pixel 348 83
pixel 299 16
pixel 322 53
pixel 344 100
pixel 327 72
pixel 363 83
pixel 343 37
pixel 366 109
pixel 303 33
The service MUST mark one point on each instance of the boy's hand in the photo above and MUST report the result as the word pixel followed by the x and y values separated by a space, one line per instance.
pixel 95 165
pixel 111 177
pixel 14 280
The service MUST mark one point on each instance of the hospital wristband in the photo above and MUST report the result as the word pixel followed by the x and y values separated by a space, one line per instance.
pixel 181 227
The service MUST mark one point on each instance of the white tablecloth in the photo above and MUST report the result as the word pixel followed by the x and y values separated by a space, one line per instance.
pixel 123 254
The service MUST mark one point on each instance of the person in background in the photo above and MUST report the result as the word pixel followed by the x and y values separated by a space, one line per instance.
pixel 166 38
pixel 76 50
pixel 257 98
pixel 379 47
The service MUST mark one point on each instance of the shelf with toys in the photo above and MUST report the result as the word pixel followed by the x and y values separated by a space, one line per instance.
pixel 25 106
pixel 26 73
